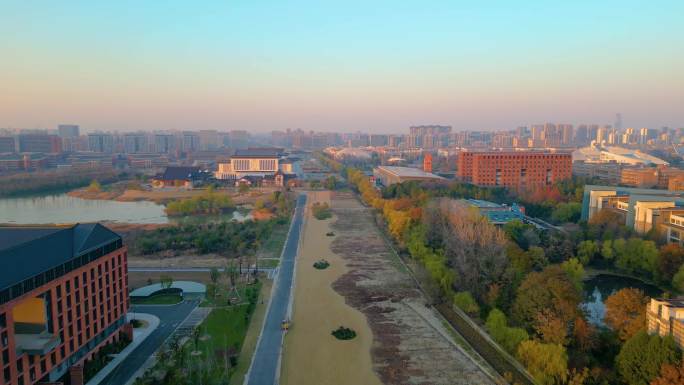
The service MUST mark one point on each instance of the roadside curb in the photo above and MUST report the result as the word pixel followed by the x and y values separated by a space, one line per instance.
pixel 153 323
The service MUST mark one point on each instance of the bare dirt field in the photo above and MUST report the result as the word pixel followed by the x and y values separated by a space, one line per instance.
pixel 138 279
pixel 311 355
pixel 410 344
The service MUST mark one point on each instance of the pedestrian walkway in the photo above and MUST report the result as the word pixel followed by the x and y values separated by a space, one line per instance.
pixel 189 324
pixel 139 335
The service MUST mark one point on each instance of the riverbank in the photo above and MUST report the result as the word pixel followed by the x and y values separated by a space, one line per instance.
pixel 591 273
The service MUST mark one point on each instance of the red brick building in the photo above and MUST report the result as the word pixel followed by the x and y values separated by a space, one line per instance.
pixel 63 295
pixel 514 169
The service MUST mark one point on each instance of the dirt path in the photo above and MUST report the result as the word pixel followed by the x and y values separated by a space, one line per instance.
pixel 410 344
pixel 311 355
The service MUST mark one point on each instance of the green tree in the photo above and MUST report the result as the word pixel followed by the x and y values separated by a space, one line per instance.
pixel 586 251
pixel 166 281
pixel 607 251
pixel 678 279
pixel 574 269
pixel 642 356
pixel 637 255
pixel 214 275
pixel 508 337
pixel 566 212
pixel 331 182
pixel 243 188
pixel 465 301
pixel 547 363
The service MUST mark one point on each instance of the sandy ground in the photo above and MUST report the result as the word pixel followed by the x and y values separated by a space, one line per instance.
pixel 311 355
pixel 410 343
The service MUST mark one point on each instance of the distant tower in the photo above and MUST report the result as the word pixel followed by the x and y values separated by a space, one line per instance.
pixel 427 162
pixel 618 122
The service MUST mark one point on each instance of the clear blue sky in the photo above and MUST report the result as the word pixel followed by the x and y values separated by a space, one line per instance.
pixel 380 66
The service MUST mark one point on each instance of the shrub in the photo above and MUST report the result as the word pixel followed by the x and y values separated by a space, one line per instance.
pixel 465 301
pixel 321 211
pixel 343 333
pixel 321 264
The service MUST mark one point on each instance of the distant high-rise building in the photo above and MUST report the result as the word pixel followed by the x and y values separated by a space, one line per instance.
pixel 208 140
pixel 567 134
pixel 582 135
pixel 7 144
pixel 101 142
pixel 191 141
pixel 135 143
pixel 618 121
pixel 164 143
pixel 68 130
pixel 379 140
pixel 239 139
pixel 40 143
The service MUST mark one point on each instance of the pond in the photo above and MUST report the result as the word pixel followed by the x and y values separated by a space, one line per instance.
pixel 62 208
pixel 600 287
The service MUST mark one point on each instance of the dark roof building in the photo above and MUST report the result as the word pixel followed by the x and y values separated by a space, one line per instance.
pixel 180 173
pixel 259 152
pixel 63 296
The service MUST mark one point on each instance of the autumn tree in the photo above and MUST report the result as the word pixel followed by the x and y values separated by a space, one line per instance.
pixel 474 248
pixel 551 328
pixel 551 291
pixel 642 356
pixel 670 259
pixel 95 186
pixel 626 312
pixel 584 333
pixel 670 374
pixel 547 363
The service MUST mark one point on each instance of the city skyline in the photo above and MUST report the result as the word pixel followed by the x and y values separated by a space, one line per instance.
pixel 263 67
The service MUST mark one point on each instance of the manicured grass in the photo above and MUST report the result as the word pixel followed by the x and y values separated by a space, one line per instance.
pixel 224 293
pixel 161 299
pixel 249 344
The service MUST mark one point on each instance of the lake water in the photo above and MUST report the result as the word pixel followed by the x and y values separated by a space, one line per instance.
pixel 598 288
pixel 62 208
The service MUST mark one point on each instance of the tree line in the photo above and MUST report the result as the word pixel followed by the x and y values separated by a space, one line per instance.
pixel 525 286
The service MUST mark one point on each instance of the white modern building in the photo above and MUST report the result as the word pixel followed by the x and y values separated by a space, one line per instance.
pixel 254 162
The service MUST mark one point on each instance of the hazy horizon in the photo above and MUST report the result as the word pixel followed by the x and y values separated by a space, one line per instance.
pixel 349 67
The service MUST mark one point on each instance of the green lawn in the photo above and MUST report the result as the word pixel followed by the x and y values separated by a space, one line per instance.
pixel 161 299
pixel 224 293
pixel 272 246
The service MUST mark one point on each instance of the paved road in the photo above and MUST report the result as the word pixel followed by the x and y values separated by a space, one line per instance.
pixel 170 318
pixel 264 367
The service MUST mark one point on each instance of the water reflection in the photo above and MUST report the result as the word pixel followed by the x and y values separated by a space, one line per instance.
pixel 63 208
pixel 600 287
